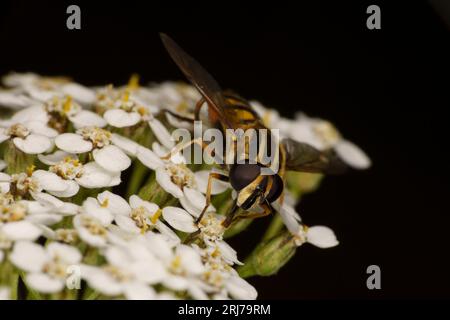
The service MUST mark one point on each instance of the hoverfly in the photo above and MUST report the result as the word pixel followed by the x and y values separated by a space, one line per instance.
pixel 227 110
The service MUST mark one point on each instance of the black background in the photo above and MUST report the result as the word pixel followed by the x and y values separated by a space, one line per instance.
pixel 387 90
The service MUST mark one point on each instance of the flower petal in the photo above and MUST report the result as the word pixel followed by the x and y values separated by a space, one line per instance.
pixel 179 219
pixel 29 256
pixel 21 230
pixel 95 176
pixel 41 128
pixel 47 200
pixel 240 289
pixel 352 155
pixel 138 291
pixel 33 144
pixel 4 177
pixel 73 143
pixel 56 157
pixel 202 176
pixel 136 202
pixel 68 254
pixel 50 181
pixel 93 208
pixel 191 260
pixel 160 131
pixel 114 203
pixel 33 113
pixel 194 201
pixel 290 217
pixel 44 283
pixel 104 283
pixel 149 158
pixel 127 224
pixel 13 100
pixel 127 145
pixel 120 118
pixel 95 240
pixel 228 253
pixel 79 92
pixel 46 219
pixel 322 237
pixel 164 180
pixel 5 293
pixel 112 158
pixel 86 118
pixel 71 190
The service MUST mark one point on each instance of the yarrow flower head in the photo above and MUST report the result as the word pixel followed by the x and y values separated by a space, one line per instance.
pixel 92 180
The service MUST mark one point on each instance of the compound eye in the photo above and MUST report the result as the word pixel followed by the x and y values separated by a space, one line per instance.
pixel 276 189
pixel 241 175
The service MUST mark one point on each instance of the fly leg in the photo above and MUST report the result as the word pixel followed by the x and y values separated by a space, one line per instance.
pixel 212 175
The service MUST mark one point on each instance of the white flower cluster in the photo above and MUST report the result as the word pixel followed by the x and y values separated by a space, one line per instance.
pixel 65 149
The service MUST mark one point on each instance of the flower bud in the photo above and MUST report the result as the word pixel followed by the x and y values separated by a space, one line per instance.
pixel 269 256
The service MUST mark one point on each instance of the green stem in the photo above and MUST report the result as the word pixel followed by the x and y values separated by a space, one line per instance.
pixel 16 160
pixel 274 228
pixel 90 294
pixel 138 174
pixel 9 276
pixel 14 284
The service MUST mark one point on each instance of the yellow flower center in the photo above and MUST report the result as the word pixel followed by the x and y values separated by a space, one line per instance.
pixel 68 169
pixel 93 226
pixel 22 183
pixel 18 130
pixel 181 175
pixel 99 137
pixel 66 235
pixel 12 212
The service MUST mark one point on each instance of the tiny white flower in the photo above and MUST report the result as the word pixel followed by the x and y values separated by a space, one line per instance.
pixel 129 271
pixel 319 236
pixel 126 112
pixel 14 99
pixel 99 141
pixel 72 172
pixel 184 266
pixel 26 137
pixel 137 217
pixel 42 88
pixel 34 182
pixel 60 109
pixel 46 267
pixel 94 176
pixel 91 230
pixel 174 178
pixel 92 207
pixel 55 184
pixel 32 114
